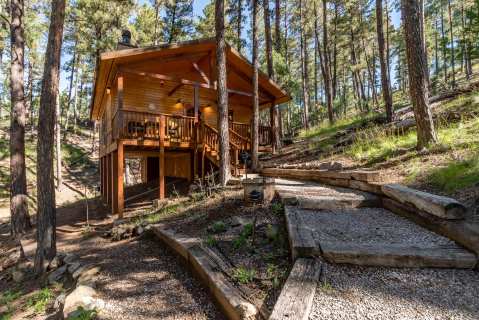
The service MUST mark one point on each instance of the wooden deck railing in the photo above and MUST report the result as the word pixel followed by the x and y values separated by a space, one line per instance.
pixel 264 135
pixel 144 125
pixel 177 130
pixel 243 129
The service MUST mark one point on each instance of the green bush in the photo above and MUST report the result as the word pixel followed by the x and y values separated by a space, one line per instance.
pixel 244 275
pixel 40 299
pixel 83 314
pixel 218 227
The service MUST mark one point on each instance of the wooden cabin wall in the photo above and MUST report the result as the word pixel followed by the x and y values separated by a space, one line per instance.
pixel 143 94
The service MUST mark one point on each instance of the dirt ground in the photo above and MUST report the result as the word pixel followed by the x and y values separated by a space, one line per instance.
pixel 139 278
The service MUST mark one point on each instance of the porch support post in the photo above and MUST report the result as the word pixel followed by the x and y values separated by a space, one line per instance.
pixel 161 182
pixel 196 101
pixel 101 177
pixel 143 169
pixel 114 182
pixel 272 120
pixel 108 179
pixel 120 174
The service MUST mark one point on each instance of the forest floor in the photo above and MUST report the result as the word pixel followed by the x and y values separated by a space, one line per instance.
pixel 451 168
pixel 79 168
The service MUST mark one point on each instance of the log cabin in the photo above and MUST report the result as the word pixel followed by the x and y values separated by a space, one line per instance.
pixel 158 104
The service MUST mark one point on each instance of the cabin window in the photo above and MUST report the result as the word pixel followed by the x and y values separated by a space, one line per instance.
pixel 230 115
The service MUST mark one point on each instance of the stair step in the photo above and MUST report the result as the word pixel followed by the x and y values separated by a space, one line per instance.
pixel 371 237
pixel 315 196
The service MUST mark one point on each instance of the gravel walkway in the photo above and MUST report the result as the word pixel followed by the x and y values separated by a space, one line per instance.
pixel 369 226
pixel 141 279
pixel 349 292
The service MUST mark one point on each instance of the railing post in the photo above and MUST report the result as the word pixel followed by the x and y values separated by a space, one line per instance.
pixel 161 182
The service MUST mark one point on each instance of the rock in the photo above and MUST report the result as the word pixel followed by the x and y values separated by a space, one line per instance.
pixel 18 275
pixel 57 275
pixel 59 302
pixel 82 296
pixel 73 267
pixel 86 272
pixel 70 258
pixel 55 263
pixel 240 221
pixel 333 165
pixel 272 232
pixel 138 230
pixel 13 256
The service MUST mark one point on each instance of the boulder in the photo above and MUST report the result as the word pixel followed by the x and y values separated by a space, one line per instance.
pixel 70 258
pixel 83 296
pixel 57 275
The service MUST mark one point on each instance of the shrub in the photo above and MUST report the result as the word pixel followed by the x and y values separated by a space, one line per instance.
pixel 218 227
pixel 244 275
pixel 40 299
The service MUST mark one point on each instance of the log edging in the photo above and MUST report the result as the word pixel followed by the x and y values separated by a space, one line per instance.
pixel 225 294
pixel 458 230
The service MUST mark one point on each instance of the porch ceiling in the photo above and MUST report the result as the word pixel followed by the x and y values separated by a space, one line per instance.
pixel 192 61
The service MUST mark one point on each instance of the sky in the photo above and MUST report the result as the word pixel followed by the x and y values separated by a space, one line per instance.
pixel 198 6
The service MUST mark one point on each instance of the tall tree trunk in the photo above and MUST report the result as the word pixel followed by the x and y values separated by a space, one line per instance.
pixel 20 220
pixel 268 39
pixel 46 212
pixel 58 147
pixel 304 73
pixel 157 22
pixel 388 101
pixel 334 81
pixel 29 98
pixel 239 24
pixel 328 86
pixel 436 49
pixel 276 143
pixel 255 133
pixel 277 28
pixel 70 87
pixel 412 15
pixel 451 32
pixel 223 128
pixel 443 42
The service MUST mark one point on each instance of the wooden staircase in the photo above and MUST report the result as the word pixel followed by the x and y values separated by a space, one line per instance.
pixel 210 147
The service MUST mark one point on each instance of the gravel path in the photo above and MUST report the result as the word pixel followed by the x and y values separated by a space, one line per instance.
pixel 141 279
pixel 349 292
pixel 369 226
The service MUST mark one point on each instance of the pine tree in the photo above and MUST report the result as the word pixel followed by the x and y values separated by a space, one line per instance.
pixel 413 17
pixel 255 122
pixel 223 128
pixel 20 220
pixel 46 211
pixel 177 20
pixel 385 83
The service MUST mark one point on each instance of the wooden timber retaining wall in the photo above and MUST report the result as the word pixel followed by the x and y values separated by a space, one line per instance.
pixel 442 215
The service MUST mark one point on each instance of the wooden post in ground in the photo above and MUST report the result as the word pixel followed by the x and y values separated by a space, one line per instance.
pixel 108 179
pixel 272 123
pixel 120 174
pixel 114 182
pixel 196 101
pixel 161 182
pixel 143 168
pixel 102 184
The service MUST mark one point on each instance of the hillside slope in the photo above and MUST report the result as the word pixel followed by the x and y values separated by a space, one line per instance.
pixel 450 168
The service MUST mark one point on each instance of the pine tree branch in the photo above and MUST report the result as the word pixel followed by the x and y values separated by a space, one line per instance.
pixel 4 17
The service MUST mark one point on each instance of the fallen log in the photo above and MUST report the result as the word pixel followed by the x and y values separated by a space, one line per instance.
pixel 443 207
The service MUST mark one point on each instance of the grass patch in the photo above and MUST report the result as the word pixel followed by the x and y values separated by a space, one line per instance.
pixel 244 275
pixel 325 129
pixel 374 145
pixel 74 155
pixel 81 314
pixel 456 175
pixel 39 300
